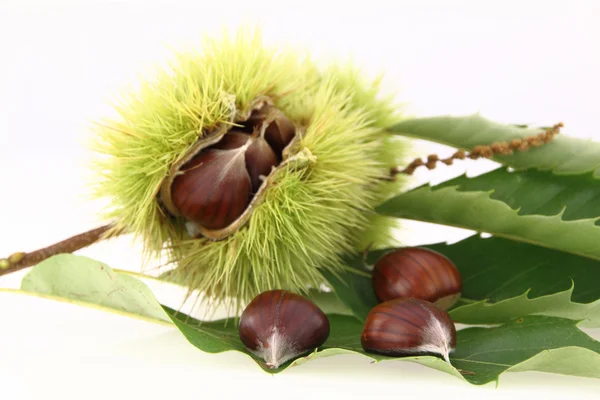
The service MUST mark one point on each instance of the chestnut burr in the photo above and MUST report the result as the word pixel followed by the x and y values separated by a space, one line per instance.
pixel 404 327
pixel 417 272
pixel 279 325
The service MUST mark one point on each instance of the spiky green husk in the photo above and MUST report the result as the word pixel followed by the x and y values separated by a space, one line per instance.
pixel 310 216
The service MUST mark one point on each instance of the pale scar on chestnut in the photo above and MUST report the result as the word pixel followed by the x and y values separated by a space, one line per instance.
pixel 404 327
pixel 279 326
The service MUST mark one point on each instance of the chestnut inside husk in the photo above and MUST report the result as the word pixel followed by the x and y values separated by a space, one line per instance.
pixel 214 187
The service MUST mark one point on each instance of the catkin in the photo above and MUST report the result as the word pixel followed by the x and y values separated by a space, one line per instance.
pixel 483 151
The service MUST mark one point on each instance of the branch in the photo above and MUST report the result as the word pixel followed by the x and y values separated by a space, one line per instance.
pixel 20 260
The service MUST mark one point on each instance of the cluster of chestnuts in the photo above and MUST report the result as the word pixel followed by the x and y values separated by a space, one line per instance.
pixel 217 181
pixel 415 285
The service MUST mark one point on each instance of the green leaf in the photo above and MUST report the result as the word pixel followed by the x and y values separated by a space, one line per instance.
pixel 487 352
pixel 537 192
pixel 328 302
pixel 502 280
pixel 497 269
pixel 513 279
pixel 481 353
pixel 83 280
pixel 529 343
pixel 222 335
pixel 557 304
pixel 479 212
pixel 344 338
pixel 353 287
pixel 564 155
pixel 470 310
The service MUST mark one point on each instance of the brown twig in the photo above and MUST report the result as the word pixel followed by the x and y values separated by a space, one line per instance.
pixel 20 260
pixel 483 151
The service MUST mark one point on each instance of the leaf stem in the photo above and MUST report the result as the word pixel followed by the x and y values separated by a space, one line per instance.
pixel 21 260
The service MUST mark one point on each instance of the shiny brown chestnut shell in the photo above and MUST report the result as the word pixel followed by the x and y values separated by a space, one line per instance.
pixel 260 160
pixel 214 189
pixel 279 130
pixel 417 272
pixel 279 325
pixel 280 133
pixel 403 327
pixel 234 139
pixel 260 157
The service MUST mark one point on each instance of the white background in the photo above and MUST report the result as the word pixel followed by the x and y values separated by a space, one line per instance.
pixel 60 63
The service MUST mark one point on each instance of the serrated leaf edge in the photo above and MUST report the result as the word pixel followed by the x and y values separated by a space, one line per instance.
pixel 569 310
pixel 500 210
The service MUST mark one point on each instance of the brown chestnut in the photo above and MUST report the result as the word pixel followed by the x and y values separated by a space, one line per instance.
pixel 279 325
pixel 417 272
pixel 404 327
pixel 232 140
pixel 213 189
pixel 260 157
pixel 280 133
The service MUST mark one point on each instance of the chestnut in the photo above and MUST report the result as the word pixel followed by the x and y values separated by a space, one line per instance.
pixel 279 325
pixel 280 133
pixel 417 272
pixel 260 157
pixel 216 186
pixel 404 327
pixel 234 139
pixel 213 189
